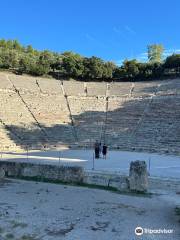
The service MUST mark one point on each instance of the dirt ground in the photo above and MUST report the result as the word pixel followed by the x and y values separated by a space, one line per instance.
pixel 32 211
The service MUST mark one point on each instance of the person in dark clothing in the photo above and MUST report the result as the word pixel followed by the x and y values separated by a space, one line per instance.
pixel 100 149
pixel 104 151
pixel 96 149
pixel 85 89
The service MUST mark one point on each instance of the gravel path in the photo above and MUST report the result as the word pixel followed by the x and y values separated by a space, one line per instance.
pixel 32 211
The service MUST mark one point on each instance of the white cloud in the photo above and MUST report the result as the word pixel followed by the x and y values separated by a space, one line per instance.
pixel 119 62
pixel 89 37
pixel 116 30
pixel 120 32
pixel 142 57
pixel 95 40
pixel 168 52
pixel 130 30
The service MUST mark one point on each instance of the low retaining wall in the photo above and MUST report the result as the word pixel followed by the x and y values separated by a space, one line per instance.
pixel 77 175
pixel 66 174
pixel 43 171
pixel 170 184
pixel 119 182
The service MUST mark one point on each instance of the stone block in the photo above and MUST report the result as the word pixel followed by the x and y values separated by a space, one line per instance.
pixel 138 176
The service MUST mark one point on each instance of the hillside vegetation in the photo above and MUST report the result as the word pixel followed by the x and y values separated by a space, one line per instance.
pixel 26 59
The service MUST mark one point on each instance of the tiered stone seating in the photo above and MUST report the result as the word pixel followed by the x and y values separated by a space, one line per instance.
pixel 136 120
pixel 73 88
pixel 144 89
pixel 52 114
pixel 49 86
pixel 123 118
pixel 7 144
pixel 96 89
pixel 24 83
pixel 164 87
pixel 17 118
pixel 169 87
pixel 160 130
pixel 88 114
pixel 144 126
pixel 120 89
pixel 5 85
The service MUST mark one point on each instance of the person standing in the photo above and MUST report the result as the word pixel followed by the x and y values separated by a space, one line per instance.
pixel 100 149
pixel 96 149
pixel 104 151
pixel 85 89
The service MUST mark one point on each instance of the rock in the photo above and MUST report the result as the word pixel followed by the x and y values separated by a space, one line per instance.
pixel 138 176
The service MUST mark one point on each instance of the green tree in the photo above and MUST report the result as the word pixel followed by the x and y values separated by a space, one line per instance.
pixel 108 71
pixel 45 60
pixel 3 43
pixel 8 58
pixel 145 71
pixel 155 52
pixel 16 45
pixel 29 49
pixel 72 64
pixel 172 61
pixel 131 68
pixel 27 63
pixel 93 67
pixel 15 56
pixel 119 73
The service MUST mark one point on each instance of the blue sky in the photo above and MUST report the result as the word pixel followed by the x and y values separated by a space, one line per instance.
pixel 111 29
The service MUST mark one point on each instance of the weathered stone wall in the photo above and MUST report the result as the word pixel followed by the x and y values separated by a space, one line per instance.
pixel 119 182
pixel 77 175
pixel 172 184
pixel 70 174
pixel 122 182
pixel 49 172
